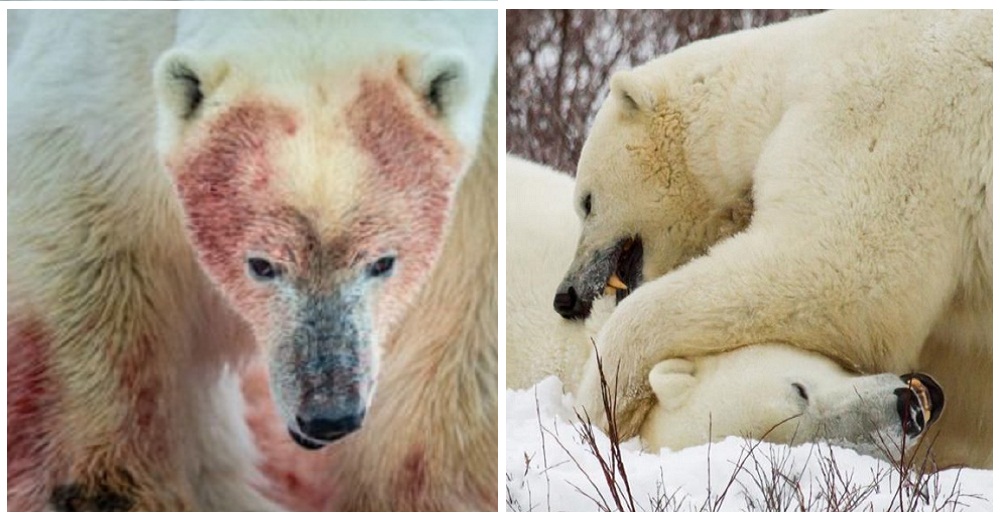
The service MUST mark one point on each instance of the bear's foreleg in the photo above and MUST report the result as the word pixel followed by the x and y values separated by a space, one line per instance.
pixel 110 412
pixel 754 288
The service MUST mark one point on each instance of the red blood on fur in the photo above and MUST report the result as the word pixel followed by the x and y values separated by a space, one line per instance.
pixel 32 414
pixel 416 166
pixel 224 186
pixel 216 183
pixel 145 425
pixel 407 147
pixel 414 475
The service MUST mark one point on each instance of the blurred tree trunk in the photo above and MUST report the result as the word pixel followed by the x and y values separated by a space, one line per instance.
pixel 559 64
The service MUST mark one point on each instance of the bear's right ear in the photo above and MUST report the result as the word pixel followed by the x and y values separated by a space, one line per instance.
pixel 183 82
pixel 672 381
pixel 631 93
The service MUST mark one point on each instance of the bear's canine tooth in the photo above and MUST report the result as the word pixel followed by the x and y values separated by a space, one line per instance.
pixel 616 283
pixel 922 396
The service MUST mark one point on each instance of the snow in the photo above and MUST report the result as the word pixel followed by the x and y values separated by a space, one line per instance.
pixel 549 467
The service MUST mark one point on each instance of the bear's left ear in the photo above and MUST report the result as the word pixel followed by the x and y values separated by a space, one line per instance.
pixel 672 381
pixel 632 93
pixel 441 80
pixel 183 81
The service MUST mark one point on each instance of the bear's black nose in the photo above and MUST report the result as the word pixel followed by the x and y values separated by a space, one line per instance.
pixel 325 430
pixel 565 302
pixel 569 305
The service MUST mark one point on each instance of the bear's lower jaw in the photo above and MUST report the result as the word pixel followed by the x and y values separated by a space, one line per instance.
pixel 304 441
pixel 311 443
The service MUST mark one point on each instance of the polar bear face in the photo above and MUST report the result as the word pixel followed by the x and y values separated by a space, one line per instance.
pixel 316 162
pixel 642 210
pixel 790 396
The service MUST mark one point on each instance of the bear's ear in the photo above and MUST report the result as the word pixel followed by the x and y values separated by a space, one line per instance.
pixel 441 80
pixel 672 381
pixel 183 82
pixel 632 94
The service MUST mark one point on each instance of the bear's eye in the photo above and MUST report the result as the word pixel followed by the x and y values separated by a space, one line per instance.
pixel 586 205
pixel 801 390
pixel 382 267
pixel 262 270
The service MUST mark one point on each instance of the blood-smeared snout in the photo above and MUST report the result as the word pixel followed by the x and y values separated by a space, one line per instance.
pixel 323 374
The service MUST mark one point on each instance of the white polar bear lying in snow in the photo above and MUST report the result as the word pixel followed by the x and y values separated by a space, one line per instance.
pixel 773 391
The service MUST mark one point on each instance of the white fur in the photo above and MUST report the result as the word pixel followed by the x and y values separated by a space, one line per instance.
pixel 541 235
pixel 862 141
pixel 287 45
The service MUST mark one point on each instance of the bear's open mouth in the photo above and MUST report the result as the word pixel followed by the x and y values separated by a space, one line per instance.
pixel 920 403
pixel 626 273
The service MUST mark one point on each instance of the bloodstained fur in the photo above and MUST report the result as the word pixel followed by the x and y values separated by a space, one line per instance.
pixel 414 162
pixel 147 418
pixel 224 186
pixel 32 413
pixel 414 475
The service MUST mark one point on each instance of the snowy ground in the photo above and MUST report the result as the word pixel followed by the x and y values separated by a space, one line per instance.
pixel 549 467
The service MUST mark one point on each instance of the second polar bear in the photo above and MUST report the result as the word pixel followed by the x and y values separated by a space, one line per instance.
pixel 767 392
pixel 823 183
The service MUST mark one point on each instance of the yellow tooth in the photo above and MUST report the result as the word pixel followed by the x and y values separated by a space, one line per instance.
pixel 616 282
pixel 608 290
pixel 923 396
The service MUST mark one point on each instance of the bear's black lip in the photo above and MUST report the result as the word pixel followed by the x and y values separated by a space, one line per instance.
pixel 628 266
pixel 304 441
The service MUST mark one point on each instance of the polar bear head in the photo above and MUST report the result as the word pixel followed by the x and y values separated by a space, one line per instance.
pixel 643 209
pixel 789 396
pixel 316 156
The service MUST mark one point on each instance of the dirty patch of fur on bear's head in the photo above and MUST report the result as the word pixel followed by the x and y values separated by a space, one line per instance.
pixel 319 213
pixel 656 172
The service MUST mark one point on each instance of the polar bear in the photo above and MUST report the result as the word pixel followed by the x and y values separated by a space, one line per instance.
pixel 541 236
pixel 768 392
pixel 194 195
pixel 823 183
pixel 790 396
